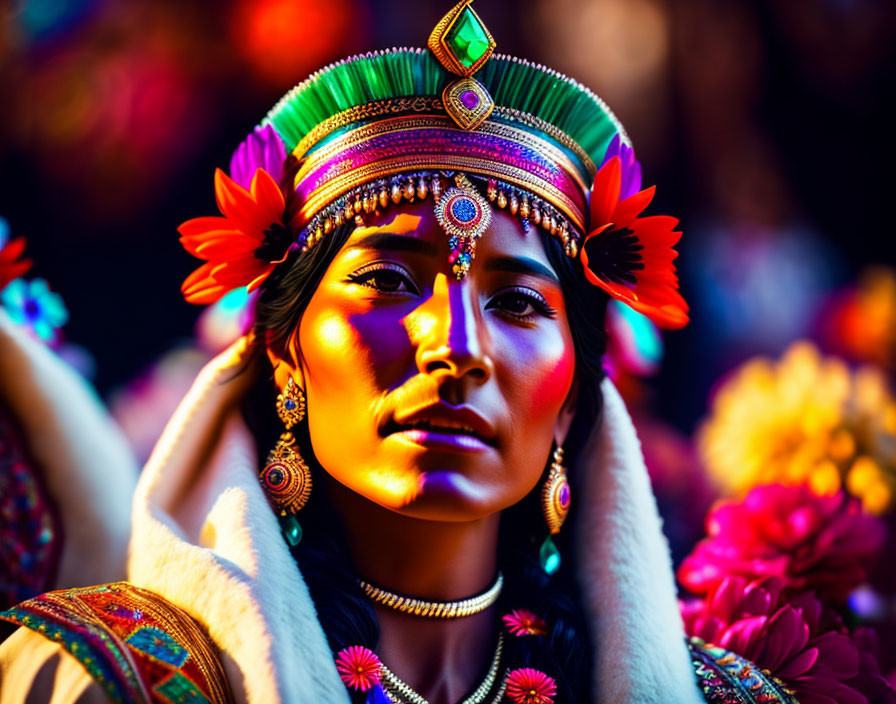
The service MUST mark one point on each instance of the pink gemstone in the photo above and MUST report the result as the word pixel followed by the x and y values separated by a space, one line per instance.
pixel 564 495
pixel 469 99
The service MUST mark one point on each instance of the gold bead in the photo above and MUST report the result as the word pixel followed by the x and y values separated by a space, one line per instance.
pixel 337 219
pixel 572 249
pixel 514 203
pixel 409 191
pixel 384 197
pixel 502 200
pixel 358 205
pixel 396 193
pixel 422 189
pixel 536 215
pixel 555 228
pixel 436 187
pixel 328 225
pixel 524 207
pixel 359 220
pixel 349 211
pixel 492 190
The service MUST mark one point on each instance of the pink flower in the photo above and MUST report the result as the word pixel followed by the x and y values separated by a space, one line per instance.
pixel 528 686
pixel 812 542
pixel 524 623
pixel 359 668
pixel 800 642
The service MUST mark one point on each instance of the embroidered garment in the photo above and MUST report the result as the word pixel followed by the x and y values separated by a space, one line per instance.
pixel 141 648
pixel 134 644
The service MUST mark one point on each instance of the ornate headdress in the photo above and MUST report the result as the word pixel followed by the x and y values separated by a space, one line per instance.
pixel 406 124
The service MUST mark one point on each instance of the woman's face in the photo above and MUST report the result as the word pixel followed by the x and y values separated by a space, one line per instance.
pixel 436 398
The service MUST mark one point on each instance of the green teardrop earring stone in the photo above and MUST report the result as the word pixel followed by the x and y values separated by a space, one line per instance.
pixel 549 556
pixel 292 531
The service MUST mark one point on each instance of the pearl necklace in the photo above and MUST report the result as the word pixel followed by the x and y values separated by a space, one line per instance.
pixel 434 609
pixel 401 693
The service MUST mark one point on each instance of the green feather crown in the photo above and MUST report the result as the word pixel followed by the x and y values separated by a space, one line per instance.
pixel 513 83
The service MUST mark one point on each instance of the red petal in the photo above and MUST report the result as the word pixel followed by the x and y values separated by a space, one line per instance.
pixel 240 208
pixel 267 194
pixel 197 227
pixel 630 208
pixel 258 280
pixel 605 192
pixel 199 287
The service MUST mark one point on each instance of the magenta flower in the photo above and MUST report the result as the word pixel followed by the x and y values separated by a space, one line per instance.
pixel 631 167
pixel 522 622
pixel 818 543
pixel 800 642
pixel 263 149
pixel 529 686
pixel 359 668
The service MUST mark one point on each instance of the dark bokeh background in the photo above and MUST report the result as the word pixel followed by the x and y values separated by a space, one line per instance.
pixel 763 123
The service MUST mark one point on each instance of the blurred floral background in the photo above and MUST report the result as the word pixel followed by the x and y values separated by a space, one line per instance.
pixel 769 424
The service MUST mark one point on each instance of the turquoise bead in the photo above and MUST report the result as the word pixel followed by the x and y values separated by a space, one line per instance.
pixel 549 556
pixel 292 531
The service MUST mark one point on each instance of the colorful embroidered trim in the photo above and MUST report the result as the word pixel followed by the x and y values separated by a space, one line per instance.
pixel 727 678
pixel 519 157
pixel 136 646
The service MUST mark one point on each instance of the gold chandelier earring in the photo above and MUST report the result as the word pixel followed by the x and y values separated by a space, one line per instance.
pixel 555 500
pixel 286 478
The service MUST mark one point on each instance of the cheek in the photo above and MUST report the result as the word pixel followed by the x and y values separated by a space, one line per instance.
pixel 539 376
pixel 351 359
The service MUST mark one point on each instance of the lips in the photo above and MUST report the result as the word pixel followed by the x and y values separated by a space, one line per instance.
pixel 444 420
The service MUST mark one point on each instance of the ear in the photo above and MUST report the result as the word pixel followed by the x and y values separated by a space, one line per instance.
pixel 286 362
pixel 566 415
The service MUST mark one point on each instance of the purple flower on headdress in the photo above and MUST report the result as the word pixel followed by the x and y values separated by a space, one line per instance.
pixel 264 149
pixel 631 167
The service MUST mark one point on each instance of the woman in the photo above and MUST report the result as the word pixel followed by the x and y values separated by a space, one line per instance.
pixel 462 510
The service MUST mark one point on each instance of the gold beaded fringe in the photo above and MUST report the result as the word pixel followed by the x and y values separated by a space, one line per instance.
pixel 379 194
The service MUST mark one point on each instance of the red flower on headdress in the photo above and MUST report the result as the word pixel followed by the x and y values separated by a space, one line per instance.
pixel 11 266
pixel 243 247
pixel 359 668
pixel 631 257
pixel 528 686
pixel 524 623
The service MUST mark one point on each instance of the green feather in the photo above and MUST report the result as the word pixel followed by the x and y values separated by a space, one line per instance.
pixel 513 84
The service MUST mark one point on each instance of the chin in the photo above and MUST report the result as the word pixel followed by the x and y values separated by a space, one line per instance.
pixel 450 496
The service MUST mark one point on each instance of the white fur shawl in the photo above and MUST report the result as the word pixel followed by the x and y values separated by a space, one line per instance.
pixel 206 540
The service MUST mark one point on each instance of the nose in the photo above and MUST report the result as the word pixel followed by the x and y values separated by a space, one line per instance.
pixel 449 333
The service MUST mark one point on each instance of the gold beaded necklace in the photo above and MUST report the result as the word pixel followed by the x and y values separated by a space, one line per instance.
pixel 434 609
pixel 399 692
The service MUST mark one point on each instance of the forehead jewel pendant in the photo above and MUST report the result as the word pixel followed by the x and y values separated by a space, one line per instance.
pixel 464 215
pixel 462 44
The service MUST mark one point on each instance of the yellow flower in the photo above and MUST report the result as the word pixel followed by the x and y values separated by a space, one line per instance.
pixel 804 419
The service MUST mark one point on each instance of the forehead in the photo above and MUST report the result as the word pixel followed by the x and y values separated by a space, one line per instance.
pixel 504 237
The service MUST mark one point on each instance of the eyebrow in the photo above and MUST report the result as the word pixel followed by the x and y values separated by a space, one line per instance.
pixel 401 243
pixel 521 265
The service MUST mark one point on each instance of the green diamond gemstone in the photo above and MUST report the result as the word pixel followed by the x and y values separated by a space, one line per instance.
pixel 292 531
pixel 549 556
pixel 467 39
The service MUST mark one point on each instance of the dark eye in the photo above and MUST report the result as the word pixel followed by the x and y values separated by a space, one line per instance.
pixel 384 277
pixel 521 303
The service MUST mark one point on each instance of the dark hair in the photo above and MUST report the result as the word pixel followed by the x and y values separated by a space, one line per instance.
pixel 566 653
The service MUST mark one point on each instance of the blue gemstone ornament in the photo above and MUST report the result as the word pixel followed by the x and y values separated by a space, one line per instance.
pixel 464 215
